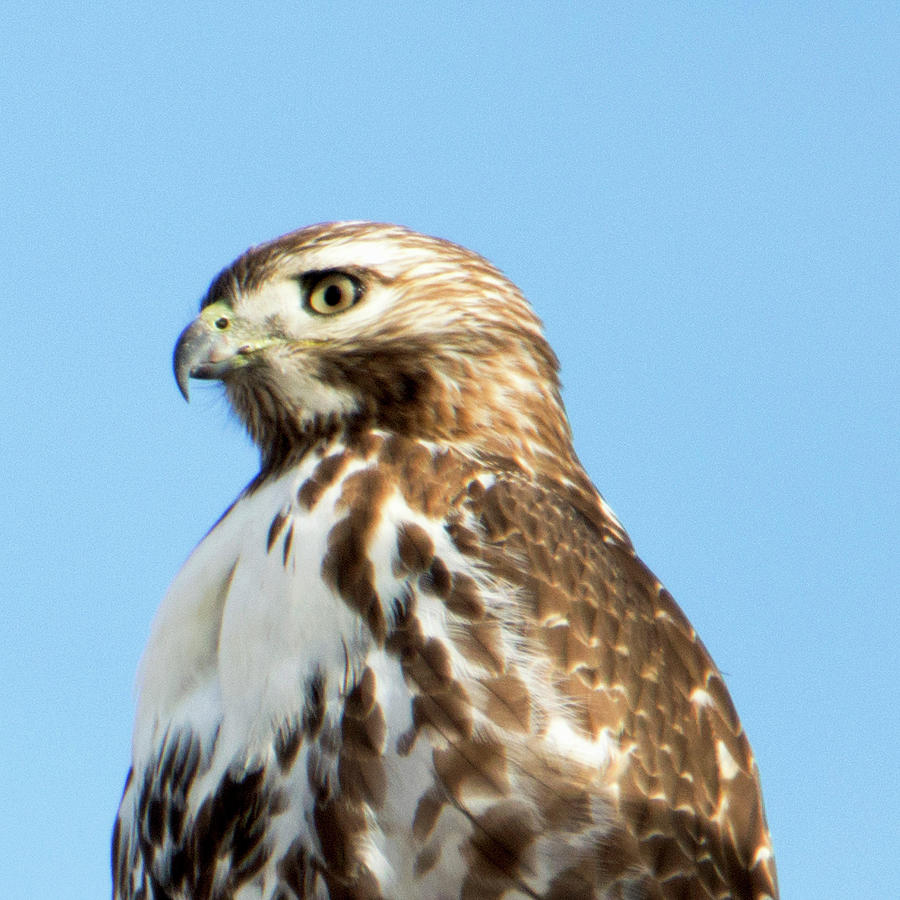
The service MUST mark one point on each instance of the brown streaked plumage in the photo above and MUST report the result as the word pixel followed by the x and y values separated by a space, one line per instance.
pixel 419 656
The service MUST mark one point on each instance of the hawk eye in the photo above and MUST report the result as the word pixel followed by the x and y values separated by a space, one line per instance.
pixel 333 293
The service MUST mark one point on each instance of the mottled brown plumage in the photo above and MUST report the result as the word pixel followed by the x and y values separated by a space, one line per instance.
pixel 419 656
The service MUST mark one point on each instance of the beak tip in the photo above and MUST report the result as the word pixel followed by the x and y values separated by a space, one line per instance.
pixel 182 379
pixel 191 346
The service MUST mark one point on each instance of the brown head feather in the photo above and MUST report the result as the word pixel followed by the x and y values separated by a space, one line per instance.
pixel 454 354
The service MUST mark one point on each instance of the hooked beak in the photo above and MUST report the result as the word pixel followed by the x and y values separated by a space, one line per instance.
pixel 203 352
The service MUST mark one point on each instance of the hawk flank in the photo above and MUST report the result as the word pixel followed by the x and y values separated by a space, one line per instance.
pixel 418 656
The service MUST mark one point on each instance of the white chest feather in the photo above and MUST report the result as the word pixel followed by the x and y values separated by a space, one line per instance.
pixel 244 626
pixel 337 691
pixel 252 624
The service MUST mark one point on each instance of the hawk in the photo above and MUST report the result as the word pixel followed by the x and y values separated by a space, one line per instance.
pixel 418 656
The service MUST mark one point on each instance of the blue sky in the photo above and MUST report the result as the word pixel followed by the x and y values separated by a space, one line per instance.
pixel 701 200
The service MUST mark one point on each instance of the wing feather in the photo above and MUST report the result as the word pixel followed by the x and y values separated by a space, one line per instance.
pixel 631 669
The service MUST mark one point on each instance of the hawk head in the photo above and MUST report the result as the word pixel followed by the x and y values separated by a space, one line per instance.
pixel 342 327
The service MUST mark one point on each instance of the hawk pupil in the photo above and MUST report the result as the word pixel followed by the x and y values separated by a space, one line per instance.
pixel 333 295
